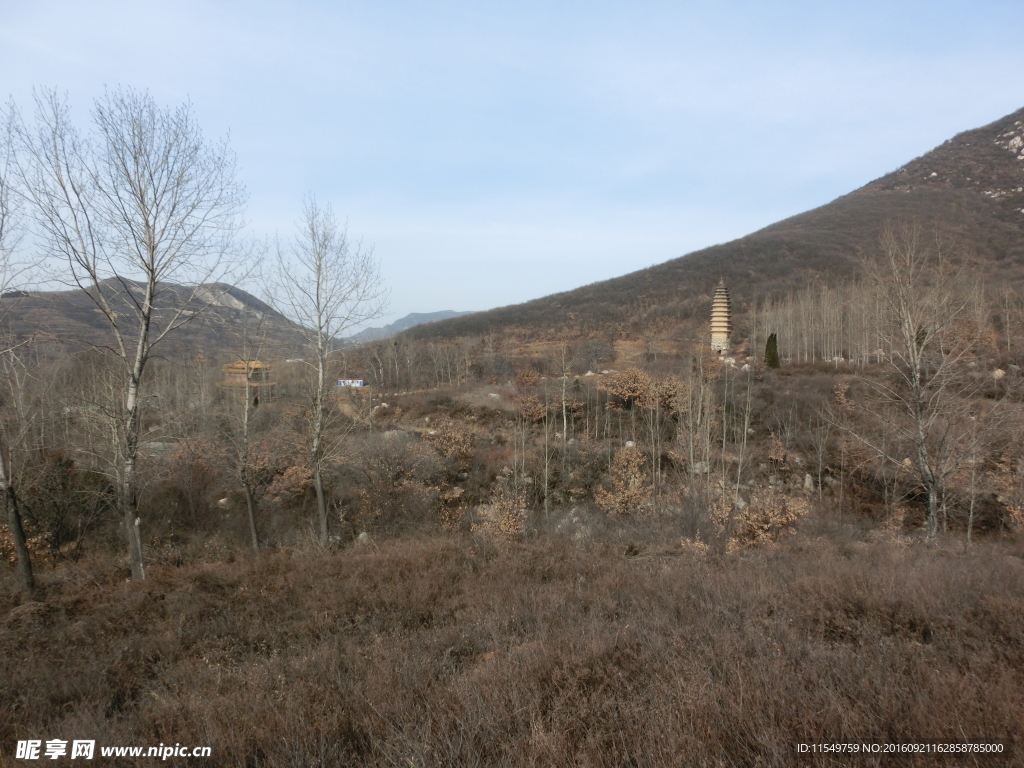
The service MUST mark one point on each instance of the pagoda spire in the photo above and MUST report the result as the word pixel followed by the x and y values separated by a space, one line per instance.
pixel 721 319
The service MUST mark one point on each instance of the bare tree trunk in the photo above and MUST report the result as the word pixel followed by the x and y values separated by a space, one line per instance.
pixel 250 505
pixel 246 458
pixel 17 531
pixel 725 425
pixel 655 428
pixel 933 510
pixel 842 478
pixel 974 495
pixel 547 454
pixel 316 450
pixel 743 443
pixel 128 501
pixel 565 418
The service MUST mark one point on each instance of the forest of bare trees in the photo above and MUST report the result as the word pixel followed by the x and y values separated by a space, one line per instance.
pixel 731 453
pixel 846 323
pixel 896 395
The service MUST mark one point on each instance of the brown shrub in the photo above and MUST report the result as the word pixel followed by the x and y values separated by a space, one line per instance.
pixel 391 481
pixel 452 440
pixel 507 515
pixel 291 486
pixel 61 502
pixel 439 652
pixel 627 491
pixel 183 493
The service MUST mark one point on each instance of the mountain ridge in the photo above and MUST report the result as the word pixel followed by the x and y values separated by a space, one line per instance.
pixel 404 323
pixel 971 185
pixel 976 192
pixel 71 320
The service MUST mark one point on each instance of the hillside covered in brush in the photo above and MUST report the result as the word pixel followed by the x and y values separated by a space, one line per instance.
pixel 213 314
pixel 971 187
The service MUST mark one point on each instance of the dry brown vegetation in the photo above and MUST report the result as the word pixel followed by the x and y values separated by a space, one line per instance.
pixel 454 651
pixel 582 541
pixel 679 563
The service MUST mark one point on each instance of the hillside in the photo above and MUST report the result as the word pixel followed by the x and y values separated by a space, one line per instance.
pixel 409 321
pixel 972 184
pixel 71 320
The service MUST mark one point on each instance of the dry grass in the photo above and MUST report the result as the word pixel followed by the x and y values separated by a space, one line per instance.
pixel 458 652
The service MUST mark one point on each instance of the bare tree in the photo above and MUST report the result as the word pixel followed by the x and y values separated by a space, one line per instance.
pixel 327 286
pixel 250 336
pixel 695 402
pixel 135 211
pixel 9 238
pixel 918 416
pixel 820 431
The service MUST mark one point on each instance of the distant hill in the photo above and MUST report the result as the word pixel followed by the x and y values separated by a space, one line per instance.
pixel 409 321
pixel 972 184
pixel 69 319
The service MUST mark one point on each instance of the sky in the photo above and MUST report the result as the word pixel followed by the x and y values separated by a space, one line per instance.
pixel 493 153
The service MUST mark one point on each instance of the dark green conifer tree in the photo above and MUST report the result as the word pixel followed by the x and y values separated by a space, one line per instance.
pixel 771 352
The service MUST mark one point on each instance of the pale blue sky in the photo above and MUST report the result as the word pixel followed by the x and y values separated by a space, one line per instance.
pixel 494 153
